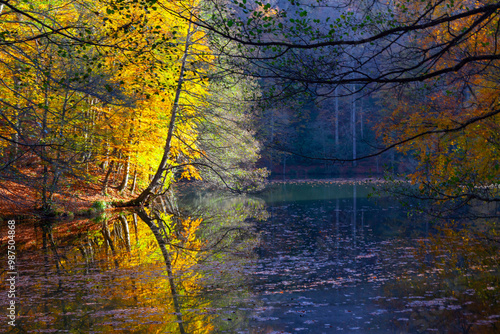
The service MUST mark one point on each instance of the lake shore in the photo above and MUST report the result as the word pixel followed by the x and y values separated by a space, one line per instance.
pixel 340 180
pixel 18 200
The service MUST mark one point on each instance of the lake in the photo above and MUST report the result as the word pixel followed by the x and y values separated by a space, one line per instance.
pixel 302 257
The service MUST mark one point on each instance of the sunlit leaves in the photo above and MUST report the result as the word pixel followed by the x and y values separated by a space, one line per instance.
pixel 106 81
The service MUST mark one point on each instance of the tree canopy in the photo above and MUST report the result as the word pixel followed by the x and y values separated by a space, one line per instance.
pixel 144 90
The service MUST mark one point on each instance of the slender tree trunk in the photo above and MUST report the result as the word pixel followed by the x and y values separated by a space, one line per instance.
pixel 109 241
pixel 336 119
pixel 324 133
pixel 46 198
pixel 126 175
pixel 126 232
pixel 360 112
pixel 353 126
pixel 134 217
pixel 15 135
pixel 156 182
pixel 134 182
pixel 119 166
pixel 124 183
pixel 107 177
pixel 168 264
pixel 108 174
pixel 17 88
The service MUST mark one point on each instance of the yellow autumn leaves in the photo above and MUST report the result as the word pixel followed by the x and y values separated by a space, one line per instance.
pixel 87 86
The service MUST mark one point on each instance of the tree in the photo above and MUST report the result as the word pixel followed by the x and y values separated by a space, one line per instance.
pixel 458 158
pixel 160 178
pixel 229 149
pixel 73 103
pixel 318 46
pixel 45 86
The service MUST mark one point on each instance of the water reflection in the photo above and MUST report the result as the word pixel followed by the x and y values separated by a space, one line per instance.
pixel 456 287
pixel 132 271
pixel 311 258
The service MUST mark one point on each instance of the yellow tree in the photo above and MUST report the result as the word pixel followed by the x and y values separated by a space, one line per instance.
pixel 180 146
pixel 171 57
pixel 44 86
pixel 92 88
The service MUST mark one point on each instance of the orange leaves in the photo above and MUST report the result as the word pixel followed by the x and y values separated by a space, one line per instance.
pixel 190 172
pixel 453 161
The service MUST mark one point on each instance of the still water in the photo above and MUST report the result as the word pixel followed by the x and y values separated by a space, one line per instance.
pixel 315 257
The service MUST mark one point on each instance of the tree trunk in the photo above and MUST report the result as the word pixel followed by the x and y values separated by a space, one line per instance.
pixel 108 174
pixel 336 119
pixel 168 264
pixel 44 156
pixel 134 182
pixel 106 179
pixel 360 112
pixel 134 217
pixel 353 125
pixel 107 237
pixel 124 183
pixel 156 182
pixel 126 232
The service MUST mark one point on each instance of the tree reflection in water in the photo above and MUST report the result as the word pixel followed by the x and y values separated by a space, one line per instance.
pixel 145 271
pixel 456 289
pixel 326 258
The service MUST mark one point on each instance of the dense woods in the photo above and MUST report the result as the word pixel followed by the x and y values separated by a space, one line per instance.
pixel 109 93
pixel 132 95
pixel 237 166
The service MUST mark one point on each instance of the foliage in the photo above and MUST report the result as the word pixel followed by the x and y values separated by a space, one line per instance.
pixel 92 91
pixel 99 206
pixel 452 120
pixel 227 140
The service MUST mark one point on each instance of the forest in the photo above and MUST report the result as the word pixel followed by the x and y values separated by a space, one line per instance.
pixel 130 96
pixel 247 166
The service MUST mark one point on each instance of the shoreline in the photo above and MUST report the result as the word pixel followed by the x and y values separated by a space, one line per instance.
pixel 18 201
pixel 341 180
